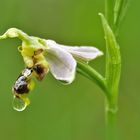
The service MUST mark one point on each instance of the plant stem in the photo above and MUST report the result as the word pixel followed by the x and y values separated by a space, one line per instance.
pixel 109 11
pixel 113 70
pixel 111 108
pixel 111 97
pixel 111 125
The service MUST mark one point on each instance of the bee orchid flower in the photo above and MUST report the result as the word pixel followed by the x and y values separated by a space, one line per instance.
pixel 40 56
pixel 59 59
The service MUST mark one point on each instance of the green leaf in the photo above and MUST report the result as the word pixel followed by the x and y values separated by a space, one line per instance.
pixel 113 58
pixel 120 9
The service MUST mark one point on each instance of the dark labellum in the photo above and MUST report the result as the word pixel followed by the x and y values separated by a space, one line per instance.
pixel 40 71
pixel 21 87
pixel 21 84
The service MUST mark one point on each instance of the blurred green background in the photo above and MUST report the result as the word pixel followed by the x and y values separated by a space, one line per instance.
pixel 74 112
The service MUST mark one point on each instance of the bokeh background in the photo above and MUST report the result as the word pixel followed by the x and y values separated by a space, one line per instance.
pixel 74 112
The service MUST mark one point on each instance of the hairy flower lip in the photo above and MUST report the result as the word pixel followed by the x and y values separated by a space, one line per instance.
pixel 40 71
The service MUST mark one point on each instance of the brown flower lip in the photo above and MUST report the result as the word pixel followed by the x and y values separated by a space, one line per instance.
pixel 21 86
pixel 40 71
pixel 22 82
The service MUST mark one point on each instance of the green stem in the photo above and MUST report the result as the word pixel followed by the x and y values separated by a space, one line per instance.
pixel 111 107
pixel 109 9
pixel 113 70
pixel 117 10
pixel 111 133
pixel 111 97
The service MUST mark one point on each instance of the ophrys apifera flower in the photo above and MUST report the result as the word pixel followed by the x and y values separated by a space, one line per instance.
pixel 43 55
